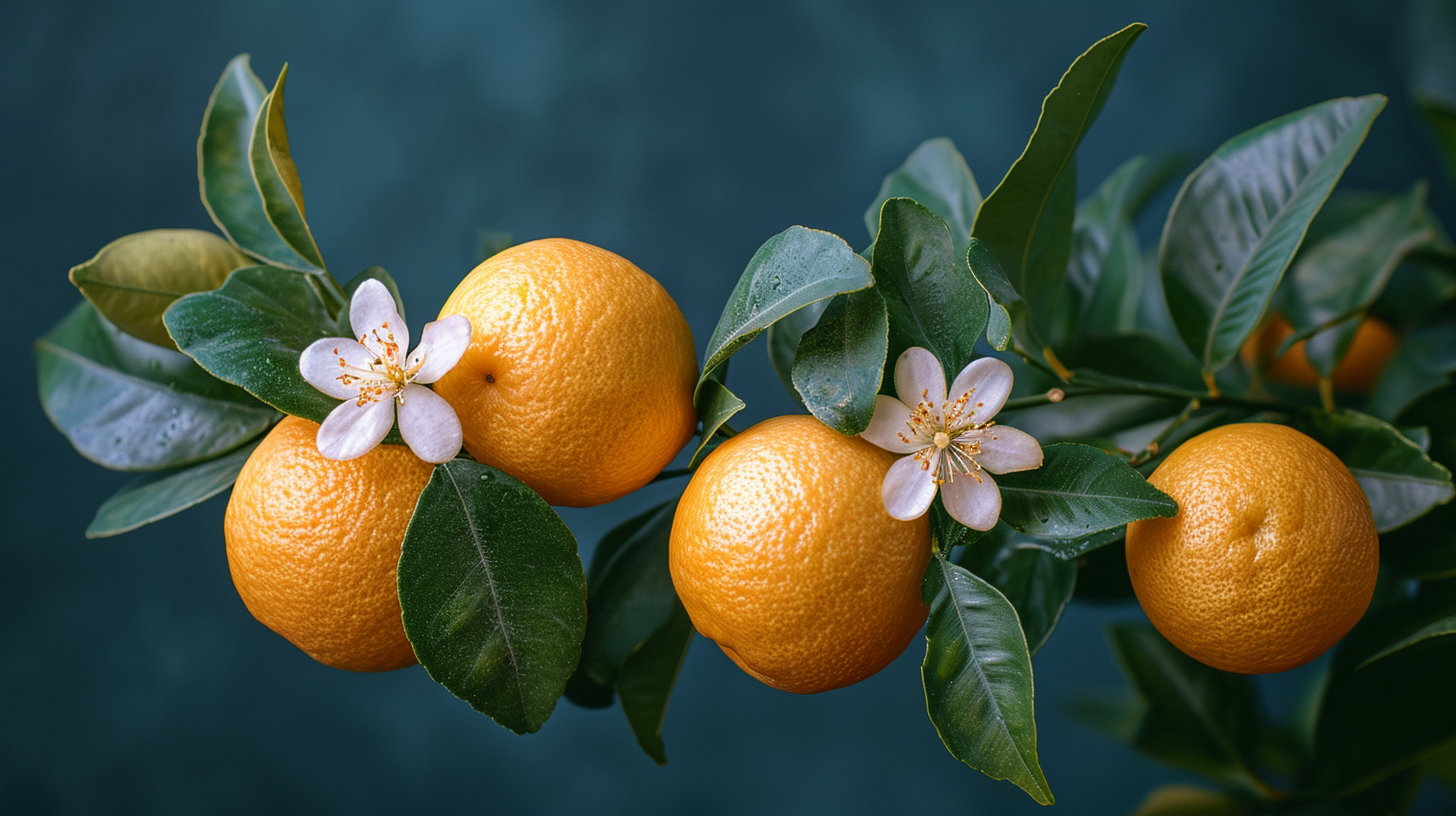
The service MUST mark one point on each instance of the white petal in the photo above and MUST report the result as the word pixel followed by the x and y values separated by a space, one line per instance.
pixel 372 309
pixel 891 419
pixel 429 425
pixel 441 344
pixel 352 430
pixel 908 489
pixel 974 502
pixel 918 376
pixel 319 365
pixel 991 380
pixel 1006 450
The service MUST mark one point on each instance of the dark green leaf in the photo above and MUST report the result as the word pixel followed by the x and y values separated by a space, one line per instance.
pixel 128 405
pixel 1187 800
pixel 133 279
pixel 929 295
pixel 936 176
pixel 1400 480
pixel 1071 549
pixel 1426 548
pixel 977 676
pixel 156 496
pixel 1102 575
pixel 1078 490
pixel 493 594
pixel 1135 356
pixel 1421 365
pixel 1440 116
pixel 225 172
pixel 1115 715
pixel 1026 222
pixel 1105 273
pixel 715 405
pixel 372 273
pixel 277 177
pixel 1090 417
pixel 1008 315
pixel 1037 583
pixel 1241 215
pixel 783 342
pixel 841 361
pixel 630 594
pixel 1438 625
pixel 647 677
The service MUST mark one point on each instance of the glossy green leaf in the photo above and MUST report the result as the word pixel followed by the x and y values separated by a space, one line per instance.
pixel 371 273
pixel 252 330
pixel 647 679
pixel 493 594
pixel 1400 480
pixel 1037 583
pixel 1009 315
pixel 783 342
pixel 129 405
pixel 841 361
pixel 133 279
pixel 1026 222
pixel 791 270
pixel 927 293
pixel 224 170
pixel 977 676
pixel 1240 216
pixel 1078 490
pixel 277 177
pixel 935 175
pixel 1195 717
pixel 1071 549
pixel 715 405
pixel 630 594
pixel 156 496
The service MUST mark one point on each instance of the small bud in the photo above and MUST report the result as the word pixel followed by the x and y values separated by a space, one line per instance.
pixel 1056 395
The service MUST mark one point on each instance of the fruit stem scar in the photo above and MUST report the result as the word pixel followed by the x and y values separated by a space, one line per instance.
pixel 490 378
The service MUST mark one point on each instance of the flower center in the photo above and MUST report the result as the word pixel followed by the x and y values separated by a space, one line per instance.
pixel 941 439
pixel 385 373
pixel 949 438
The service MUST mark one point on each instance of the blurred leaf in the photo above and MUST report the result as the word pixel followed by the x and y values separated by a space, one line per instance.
pixel 1241 215
pixel 156 496
pixel 1443 623
pixel 647 679
pixel 1400 480
pixel 1186 800
pixel 715 405
pixel 629 592
pixel 1115 715
pixel 1102 575
pixel 225 172
pixel 1421 365
pixel 1089 416
pixel 1440 117
pixel 128 405
pixel 1026 222
pixel 133 279
pixel 783 343
pixel 494 242
pixel 1077 491
pixel 1135 356
pixel 977 676
pixel 1037 583
pixel 935 175
pixel 277 177
pixel 1197 717
pixel 371 273
pixel 929 296
pixel 841 361
pixel 1426 548
pixel 493 594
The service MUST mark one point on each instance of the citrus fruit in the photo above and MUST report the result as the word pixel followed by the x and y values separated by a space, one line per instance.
pixel 1358 371
pixel 783 554
pixel 1271 558
pixel 313 545
pixel 579 376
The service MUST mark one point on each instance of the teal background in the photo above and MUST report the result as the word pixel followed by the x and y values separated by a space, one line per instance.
pixel 678 135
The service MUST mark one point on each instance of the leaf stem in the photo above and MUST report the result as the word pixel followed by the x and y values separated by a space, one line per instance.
pixel 1137 388
pixel 1151 449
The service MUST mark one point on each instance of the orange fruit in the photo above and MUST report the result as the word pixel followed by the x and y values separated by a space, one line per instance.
pixel 579 376
pixel 783 554
pixel 313 545
pixel 1271 558
pixel 1358 371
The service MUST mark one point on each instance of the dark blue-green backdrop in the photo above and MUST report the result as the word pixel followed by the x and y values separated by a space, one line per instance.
pixel 680 135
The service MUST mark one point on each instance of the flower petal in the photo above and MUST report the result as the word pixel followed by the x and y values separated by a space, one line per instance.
pixel 352 430
pixel 973 500
pixel 441 344
pixel 891 418
pixel 918 376
pixel 908 489
pixel 319 365
pixel 989 381
pixel 372 309
pixel 428 424
pixel 1006 450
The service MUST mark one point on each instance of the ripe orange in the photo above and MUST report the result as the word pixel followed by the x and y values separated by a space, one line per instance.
pixel 1271 558
pixel 580 372
pixel 783 554
pixel 313 545
pixel 1358 372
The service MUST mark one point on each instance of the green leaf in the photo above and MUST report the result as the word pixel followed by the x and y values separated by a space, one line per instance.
pixel 1400 480
pixel 225 173
pixel 783 342
pixel 1440 116
pixel 929 295
pixel 1240 216
pixel 1186 800
pixel 277 177
pixel 630 593
pixel 977 675
pixel 1078 490
pixel 1009 314
pixel 1135 356
pixel 647 679
pixel 133 279
pixel 129 405
pixel 1196 717
pixel 156 496
pixel 715 405
pixel 1426 548
pixel 841 361
pixel 1072 549
pixel 493 594
pixel 1420 366
pixel 1444 623
pixel 935 175
pixel 1026 222
pixel 371 273
pixel 252 330
pixel 791 270
pixel 1037 583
